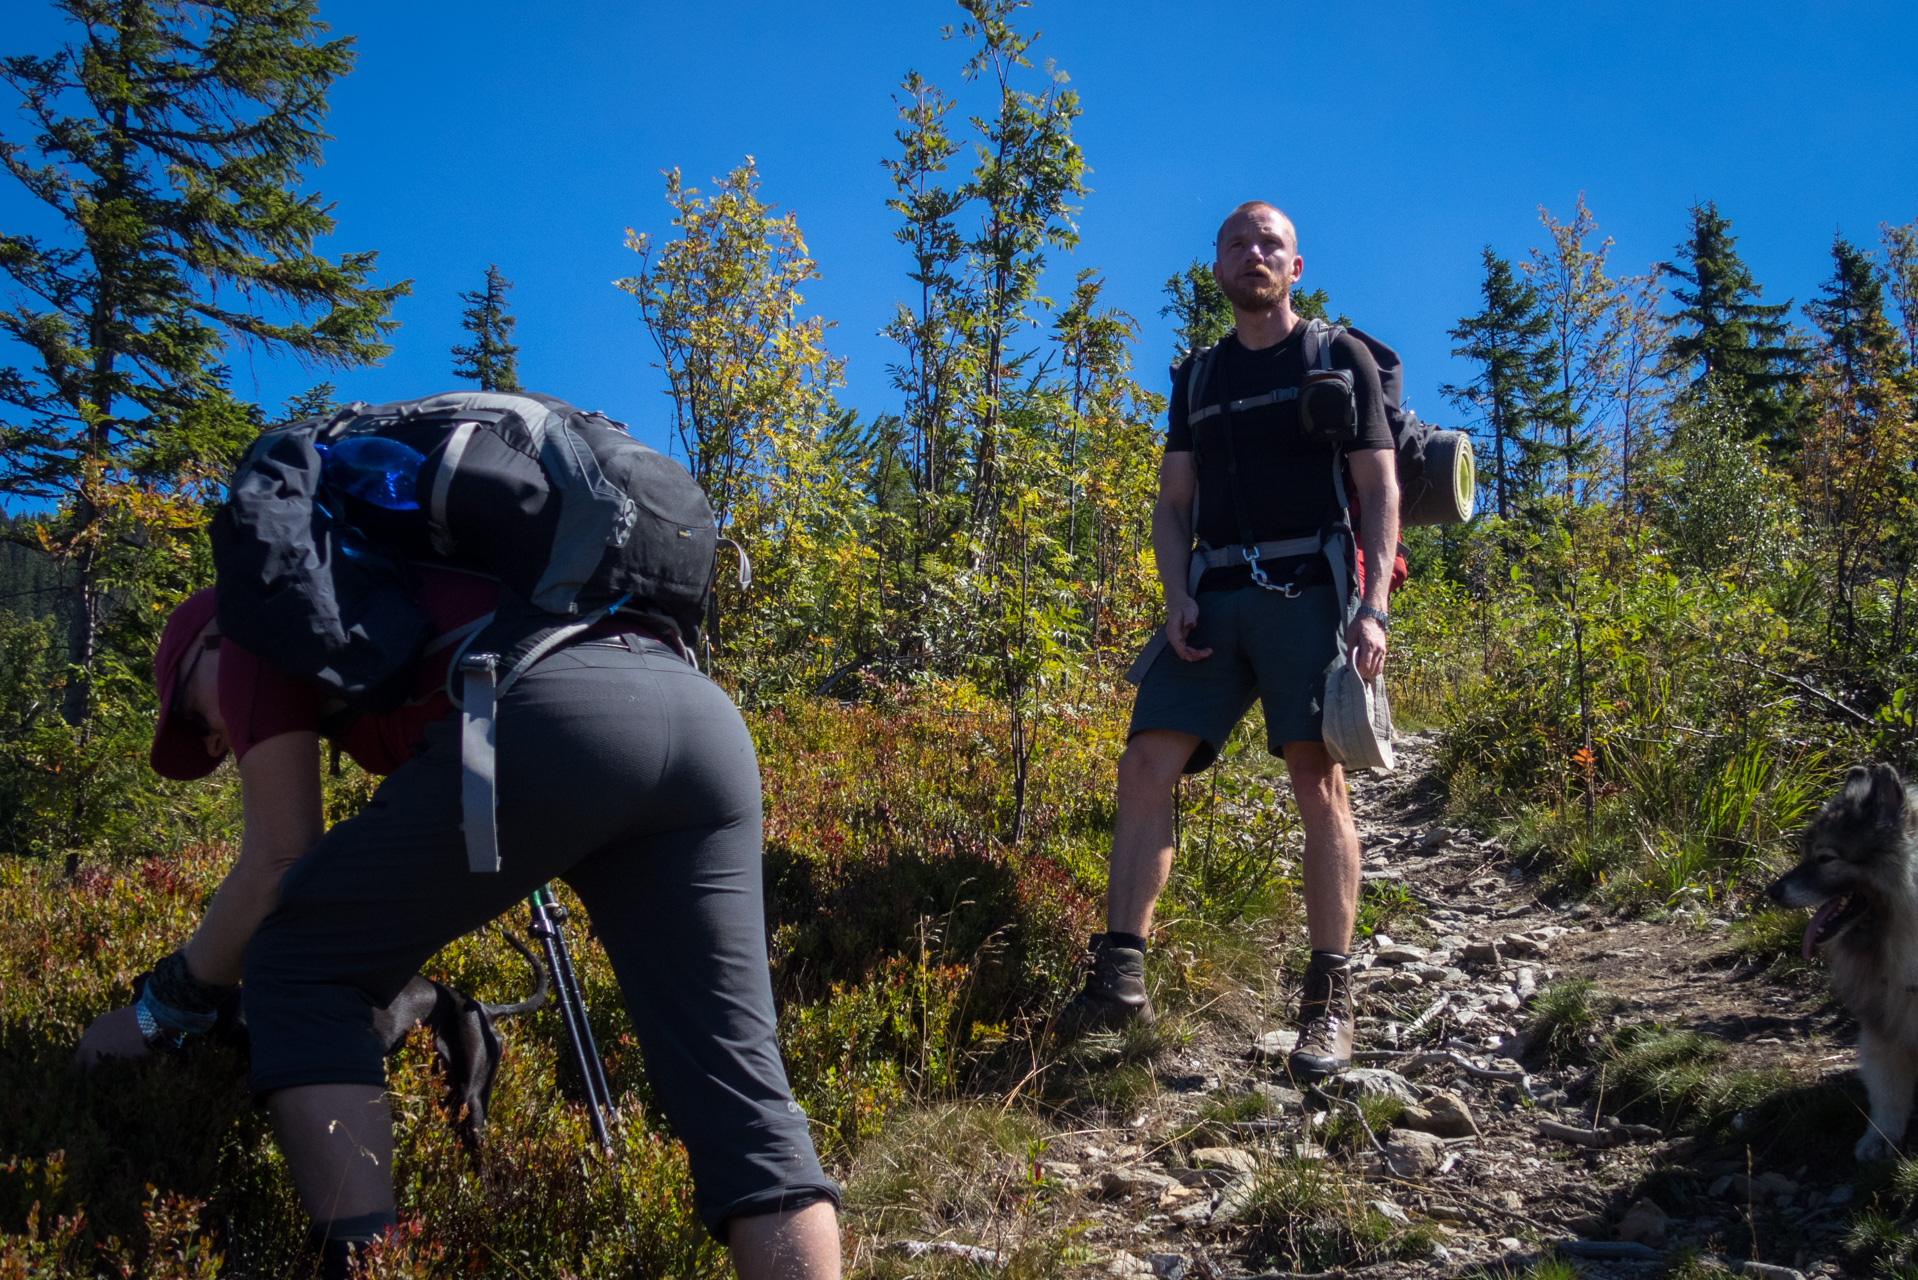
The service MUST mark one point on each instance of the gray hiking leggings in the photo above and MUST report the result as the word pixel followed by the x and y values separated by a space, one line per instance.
pixel 629 775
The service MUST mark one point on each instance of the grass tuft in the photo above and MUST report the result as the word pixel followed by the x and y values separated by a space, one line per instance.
pixel 1673 1074
pixel 1772 939
pixel 1566 1019
pixel 969 1172
pixel 1874 1236
pixel 1305 1215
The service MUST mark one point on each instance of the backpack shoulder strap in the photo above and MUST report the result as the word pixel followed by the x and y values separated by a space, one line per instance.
pixel 1319 337
pixel 1198 375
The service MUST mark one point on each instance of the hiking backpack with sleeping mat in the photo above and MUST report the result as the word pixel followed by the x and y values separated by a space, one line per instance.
pixel 1437 479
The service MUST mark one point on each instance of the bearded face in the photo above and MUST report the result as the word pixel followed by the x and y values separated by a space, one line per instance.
pixel 1258 257
pixel 1250 292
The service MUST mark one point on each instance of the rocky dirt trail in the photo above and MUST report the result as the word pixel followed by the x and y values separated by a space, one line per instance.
pixel 1500 1158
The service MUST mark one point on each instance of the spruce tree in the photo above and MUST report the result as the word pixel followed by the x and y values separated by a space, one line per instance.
pixel 316 401
pixel 490 359
pixel 1200 307
pixel 1858 444
pixel 1506 340
pixel 1733 340
pixel 169 143
pixel 1850 311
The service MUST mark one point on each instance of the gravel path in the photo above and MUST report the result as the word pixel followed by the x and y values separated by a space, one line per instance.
pixel 1502 1157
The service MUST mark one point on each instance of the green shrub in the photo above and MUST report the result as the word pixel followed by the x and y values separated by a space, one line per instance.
pixel 1697 771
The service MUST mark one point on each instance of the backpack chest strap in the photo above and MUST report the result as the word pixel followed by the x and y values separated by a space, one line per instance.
pixel 1238 406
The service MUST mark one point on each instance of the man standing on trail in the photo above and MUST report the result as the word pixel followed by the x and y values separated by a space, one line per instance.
pixel 1249 615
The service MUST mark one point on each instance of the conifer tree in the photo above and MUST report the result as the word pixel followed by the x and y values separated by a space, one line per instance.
pixel 1506 340
pixel 1860 441
pixel 491 358
pixel 1205 314
pixel 316 401
pixel 169 144
pixel 1850 312
pixel 1201 308
pixel 1733 340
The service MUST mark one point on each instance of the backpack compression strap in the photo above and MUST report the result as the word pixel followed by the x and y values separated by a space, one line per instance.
pixel 478 778
pixel 482 686
pixel 1319 337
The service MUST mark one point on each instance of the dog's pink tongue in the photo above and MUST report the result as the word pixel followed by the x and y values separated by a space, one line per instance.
pixel 1818 919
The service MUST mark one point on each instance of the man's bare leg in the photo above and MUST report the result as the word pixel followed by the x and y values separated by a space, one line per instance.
pixel 1142 836
pixel 801 1245
pixel 1331 875
pixel 1115 994
pixel 1331 846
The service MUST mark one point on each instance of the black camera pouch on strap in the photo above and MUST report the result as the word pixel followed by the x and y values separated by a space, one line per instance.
pixel 1328 401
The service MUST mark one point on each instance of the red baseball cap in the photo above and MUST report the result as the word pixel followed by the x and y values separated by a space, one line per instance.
pixel 177 752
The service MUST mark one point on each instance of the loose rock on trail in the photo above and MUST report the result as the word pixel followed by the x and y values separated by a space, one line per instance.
pixel 1500 1156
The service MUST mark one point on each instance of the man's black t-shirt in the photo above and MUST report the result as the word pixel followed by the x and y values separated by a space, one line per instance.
pixel 1284 483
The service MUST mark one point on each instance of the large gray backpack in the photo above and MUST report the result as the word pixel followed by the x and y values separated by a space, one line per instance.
pixel 327 520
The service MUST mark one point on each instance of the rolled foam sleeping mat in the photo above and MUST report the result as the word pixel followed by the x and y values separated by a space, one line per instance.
pixel 1449 488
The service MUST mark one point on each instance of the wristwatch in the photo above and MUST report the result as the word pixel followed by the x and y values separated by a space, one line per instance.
pixel 150 1029
pixel 1377 615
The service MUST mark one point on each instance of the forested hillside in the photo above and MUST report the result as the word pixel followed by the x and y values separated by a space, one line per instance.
pixel 1681 611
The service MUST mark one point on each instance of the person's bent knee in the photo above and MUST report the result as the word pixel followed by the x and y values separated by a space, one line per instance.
pixel 795 1244
pixel 1313 770
pixel 1154 759
pixel 768 1208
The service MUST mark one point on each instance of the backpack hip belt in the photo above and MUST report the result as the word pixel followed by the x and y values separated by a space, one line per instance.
pixel 1206 557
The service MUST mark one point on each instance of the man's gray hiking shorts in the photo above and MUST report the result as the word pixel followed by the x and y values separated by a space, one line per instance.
pixel 1264 646
pixel 629 775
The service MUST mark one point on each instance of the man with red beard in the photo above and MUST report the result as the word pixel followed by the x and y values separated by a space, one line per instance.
pixel 1241 473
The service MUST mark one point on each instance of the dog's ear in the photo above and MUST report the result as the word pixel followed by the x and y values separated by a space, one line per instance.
pixel 1887 806
pixel 1855 795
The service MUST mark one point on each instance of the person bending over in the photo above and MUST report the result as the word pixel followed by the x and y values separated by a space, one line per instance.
pixel 1246 475
pixel 621 770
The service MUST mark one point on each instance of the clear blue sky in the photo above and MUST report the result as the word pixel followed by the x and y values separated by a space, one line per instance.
pixel 1402 137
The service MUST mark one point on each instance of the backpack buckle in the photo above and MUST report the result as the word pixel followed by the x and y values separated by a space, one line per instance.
pixel 1290 590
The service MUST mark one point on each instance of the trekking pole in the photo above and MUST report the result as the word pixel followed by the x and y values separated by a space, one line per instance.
pixel 548 915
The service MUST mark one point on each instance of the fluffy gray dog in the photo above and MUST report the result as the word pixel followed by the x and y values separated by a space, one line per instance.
pixel 1857 863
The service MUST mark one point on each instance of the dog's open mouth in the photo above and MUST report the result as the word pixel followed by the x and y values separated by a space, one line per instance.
pixel 1830 918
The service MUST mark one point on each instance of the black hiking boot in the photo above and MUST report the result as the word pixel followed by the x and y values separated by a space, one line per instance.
pixel 1114 996
pixel 1325 1021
